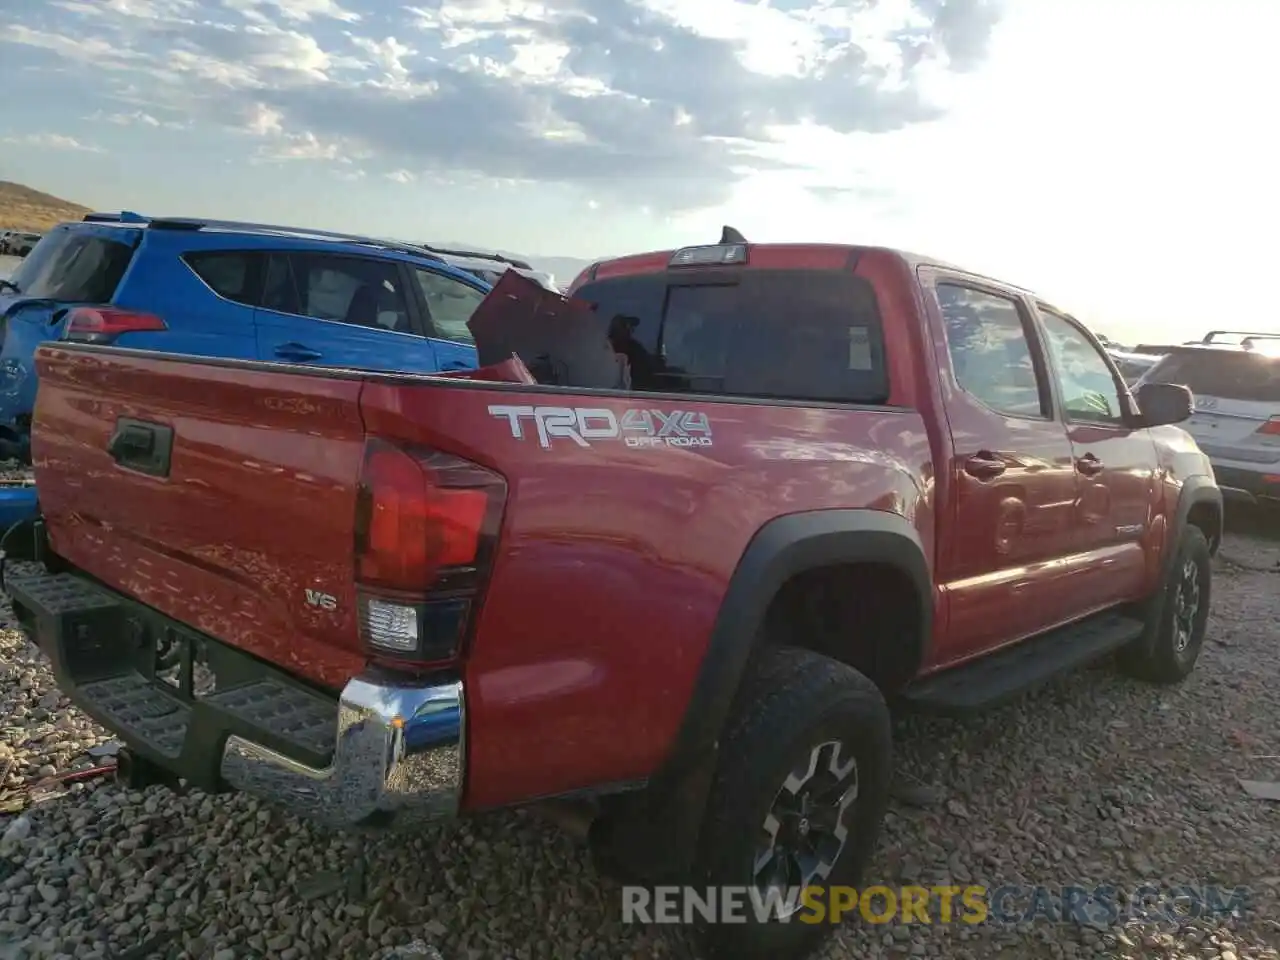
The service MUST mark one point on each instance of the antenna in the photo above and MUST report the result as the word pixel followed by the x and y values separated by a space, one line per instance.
pixel 730 235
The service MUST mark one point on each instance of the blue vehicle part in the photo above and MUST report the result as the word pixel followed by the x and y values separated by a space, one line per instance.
pixel 130 262
pixel 17 503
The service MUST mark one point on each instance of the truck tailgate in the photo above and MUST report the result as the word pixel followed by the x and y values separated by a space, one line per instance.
pixel 249 529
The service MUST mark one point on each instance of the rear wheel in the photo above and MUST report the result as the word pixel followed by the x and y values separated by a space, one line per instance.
pixel 1168 649
pixel 799 795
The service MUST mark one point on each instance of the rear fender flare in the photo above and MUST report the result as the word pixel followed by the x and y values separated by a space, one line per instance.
pixel 782 548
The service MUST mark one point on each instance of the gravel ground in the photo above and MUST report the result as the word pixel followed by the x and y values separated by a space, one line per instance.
pixel 1095 780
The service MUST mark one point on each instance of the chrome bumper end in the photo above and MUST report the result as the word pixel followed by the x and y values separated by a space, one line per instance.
pixel 398 761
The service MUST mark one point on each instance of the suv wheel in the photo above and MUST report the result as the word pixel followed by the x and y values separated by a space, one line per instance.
pixel 1167 651
pixel 800 791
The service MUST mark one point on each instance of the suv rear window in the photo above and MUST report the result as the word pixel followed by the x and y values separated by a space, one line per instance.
pixel 75 265
pixel 772 334
pixel 1224 374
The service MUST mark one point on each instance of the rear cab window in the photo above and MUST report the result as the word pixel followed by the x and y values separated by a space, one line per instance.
pixel 76 266
pixel 806 335
pixel 1224 374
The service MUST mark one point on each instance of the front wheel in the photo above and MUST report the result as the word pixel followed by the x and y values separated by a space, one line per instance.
pixel 1168 649
pixel 799 794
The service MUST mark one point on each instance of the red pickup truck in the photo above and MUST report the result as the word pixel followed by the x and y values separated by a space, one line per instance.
pixel 675 548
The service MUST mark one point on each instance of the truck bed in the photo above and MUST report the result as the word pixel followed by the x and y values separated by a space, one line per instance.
pixel 625 517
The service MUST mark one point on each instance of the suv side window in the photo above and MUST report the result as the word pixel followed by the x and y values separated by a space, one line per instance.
pixel 232 275
pixel 990 351
pixel 364 293
pixel 450 303
pixel 1085 382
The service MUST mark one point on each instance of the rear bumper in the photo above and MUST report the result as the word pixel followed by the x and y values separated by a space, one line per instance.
pixel 385 753
pixel 398 760
pixel 1248 486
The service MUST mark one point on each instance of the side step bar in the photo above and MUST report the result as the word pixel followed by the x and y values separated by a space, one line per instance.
pixel 1008 673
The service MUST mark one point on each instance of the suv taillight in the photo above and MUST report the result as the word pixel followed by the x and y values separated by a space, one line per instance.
pixel 1271 428
pixel 426 527
pixel 104 324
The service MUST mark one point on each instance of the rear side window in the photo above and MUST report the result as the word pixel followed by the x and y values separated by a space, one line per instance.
pixel 231 275
pixel 990 352
pixel 354 290
pixel 771 334
pixel 1224 374
pixel 75 265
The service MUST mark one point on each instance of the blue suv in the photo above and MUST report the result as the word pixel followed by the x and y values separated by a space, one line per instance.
pixel 228 289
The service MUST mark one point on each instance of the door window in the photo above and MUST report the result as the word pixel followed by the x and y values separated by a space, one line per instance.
pixel 363 293
pixel 991 354
pixel 1085 381
pixel 450 303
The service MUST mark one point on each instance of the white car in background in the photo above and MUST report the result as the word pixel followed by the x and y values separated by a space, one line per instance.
pixel 1237 408
pixel 490 267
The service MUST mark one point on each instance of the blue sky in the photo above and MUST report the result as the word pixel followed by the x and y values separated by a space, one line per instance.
pixel 1115 155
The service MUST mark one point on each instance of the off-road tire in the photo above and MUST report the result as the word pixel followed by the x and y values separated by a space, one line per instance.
pixel 1163 654
pixel 793 701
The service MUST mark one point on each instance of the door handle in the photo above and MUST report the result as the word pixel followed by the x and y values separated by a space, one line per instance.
pixel 1090 465
pixel 456 365
pixel 984 466
pixel 296 351
pixel 142 446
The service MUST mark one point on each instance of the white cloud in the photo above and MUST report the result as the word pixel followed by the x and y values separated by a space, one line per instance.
pixel 389 54
pixel 136 118
pixel 298 11
pixel 52 141
pixel 401 176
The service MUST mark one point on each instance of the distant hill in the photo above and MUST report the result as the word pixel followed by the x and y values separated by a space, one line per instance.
pixel 564 269
pixel 22 208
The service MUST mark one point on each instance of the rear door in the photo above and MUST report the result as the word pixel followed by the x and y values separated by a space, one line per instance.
pixel 338 310
pixel 1116 463
pixel 1012 471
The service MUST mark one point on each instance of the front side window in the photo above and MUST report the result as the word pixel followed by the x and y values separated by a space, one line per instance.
pixel 354 290
pixel 450 303
pixel 990 352
pixel 1085 381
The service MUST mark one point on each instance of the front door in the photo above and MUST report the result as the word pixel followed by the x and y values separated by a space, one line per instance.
pixel 1116 463
pixel 341 311
pixel 1013 476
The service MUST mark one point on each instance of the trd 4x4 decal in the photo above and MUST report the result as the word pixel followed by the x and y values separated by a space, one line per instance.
pixel 637 427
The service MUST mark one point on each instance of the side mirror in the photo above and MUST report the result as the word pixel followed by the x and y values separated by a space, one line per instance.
pixel 1164 403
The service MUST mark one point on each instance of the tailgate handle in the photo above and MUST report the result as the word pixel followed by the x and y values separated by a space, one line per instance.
pixel 142 446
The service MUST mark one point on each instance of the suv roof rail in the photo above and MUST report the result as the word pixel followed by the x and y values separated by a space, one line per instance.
pixel 124 216
pixel 1213 335
pixel 475 255
pixel 202 223
pixel 1247 342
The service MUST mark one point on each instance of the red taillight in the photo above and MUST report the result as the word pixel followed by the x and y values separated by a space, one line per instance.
pixel 1271 428
pixel 104 324
pixel 426 523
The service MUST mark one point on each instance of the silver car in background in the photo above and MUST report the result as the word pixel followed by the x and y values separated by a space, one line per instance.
pixel 1237 407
